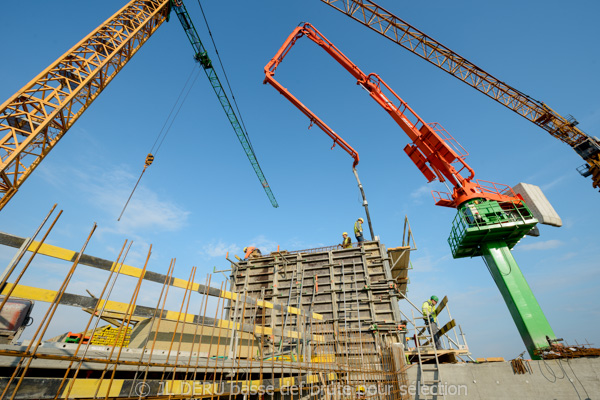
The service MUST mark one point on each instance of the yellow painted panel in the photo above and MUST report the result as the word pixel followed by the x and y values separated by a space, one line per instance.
pixel 174 316
pixel 87 388
pixel 52 251
pixel 228 295
pixel 131 271
pixel 284 382
pixel 28 292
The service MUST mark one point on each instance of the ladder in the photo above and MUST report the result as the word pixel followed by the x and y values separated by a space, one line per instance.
pixel 295 286
pixel 429 373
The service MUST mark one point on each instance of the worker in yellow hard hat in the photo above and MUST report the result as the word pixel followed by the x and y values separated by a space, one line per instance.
pixel 346 241
pixel 251 252
pixel 360 391
pixel 430 318
pixel 358 231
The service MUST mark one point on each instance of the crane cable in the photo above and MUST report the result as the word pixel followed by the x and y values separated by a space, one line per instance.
pixel 225 74
pixel 150 157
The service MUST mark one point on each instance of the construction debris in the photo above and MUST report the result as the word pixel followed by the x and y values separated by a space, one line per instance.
pixel 566 351
pixel 520 366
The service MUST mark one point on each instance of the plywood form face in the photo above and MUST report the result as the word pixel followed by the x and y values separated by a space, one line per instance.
pixel 350 287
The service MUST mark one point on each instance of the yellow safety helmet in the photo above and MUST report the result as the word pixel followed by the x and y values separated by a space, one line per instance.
pixel 245 248
pixel 361 220
pixel 345 233
pixel 360 389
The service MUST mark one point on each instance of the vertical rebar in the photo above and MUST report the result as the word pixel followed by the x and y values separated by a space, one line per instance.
pixel 24 247
pixel 93 314
pixel 45 322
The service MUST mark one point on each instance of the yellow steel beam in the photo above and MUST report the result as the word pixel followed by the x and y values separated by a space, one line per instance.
pixel 70 255
pixel 48 296
pixel 35 118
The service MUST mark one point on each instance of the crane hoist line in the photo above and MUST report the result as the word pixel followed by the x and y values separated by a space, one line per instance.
pixel 35 118
pixel 412 39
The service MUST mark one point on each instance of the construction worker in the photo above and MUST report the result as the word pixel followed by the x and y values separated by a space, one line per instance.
pixel 361 392
pixel 358 231
pixel 251 252
pixel 346 242
pixel 431 319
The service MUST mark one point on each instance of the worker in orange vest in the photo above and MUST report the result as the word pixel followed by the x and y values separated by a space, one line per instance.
pixel 251 252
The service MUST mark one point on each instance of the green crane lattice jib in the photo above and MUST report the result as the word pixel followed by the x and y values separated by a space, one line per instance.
pixel 201 55
pixel 522 304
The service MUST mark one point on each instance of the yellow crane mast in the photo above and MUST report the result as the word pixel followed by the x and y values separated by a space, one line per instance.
pixel 401 32
pixel 35 118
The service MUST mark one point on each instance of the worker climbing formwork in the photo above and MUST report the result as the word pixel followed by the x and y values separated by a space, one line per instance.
pixel 251 252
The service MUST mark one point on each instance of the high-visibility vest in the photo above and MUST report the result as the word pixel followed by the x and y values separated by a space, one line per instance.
pixel 347 243
pixel 429 309
pixel 358 227
pixel 249 251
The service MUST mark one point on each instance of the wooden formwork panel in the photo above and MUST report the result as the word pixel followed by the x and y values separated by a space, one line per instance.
pixel 349 287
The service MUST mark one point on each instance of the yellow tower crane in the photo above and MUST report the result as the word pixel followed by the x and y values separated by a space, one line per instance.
pixel 35 118
pixel 401 32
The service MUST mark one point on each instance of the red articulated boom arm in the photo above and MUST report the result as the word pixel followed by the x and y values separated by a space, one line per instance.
pixel 270 72
pixel 432 154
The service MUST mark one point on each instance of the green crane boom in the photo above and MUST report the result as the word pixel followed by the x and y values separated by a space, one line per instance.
pixel 201 55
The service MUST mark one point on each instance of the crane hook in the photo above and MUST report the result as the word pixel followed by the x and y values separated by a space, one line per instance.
pixel 149 160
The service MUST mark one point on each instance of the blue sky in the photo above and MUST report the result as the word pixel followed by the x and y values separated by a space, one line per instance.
pixel 201 198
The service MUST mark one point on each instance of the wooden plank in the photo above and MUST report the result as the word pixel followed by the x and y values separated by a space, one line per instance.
pixel 446 328
pixel 441 306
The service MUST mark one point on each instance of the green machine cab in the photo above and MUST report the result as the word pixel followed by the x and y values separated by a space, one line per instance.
pixel 491 229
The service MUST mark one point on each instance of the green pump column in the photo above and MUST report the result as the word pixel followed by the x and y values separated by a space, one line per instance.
pixel 524 308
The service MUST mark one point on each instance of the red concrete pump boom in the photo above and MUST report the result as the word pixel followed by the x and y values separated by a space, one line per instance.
pixel 436 157
pixel 270 72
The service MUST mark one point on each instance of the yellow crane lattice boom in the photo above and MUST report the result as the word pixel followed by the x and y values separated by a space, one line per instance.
pixel 401 32
pixel 34 119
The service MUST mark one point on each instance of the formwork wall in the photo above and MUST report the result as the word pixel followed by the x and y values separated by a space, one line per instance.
pixel 353 288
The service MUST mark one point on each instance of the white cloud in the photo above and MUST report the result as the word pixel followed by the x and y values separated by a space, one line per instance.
pixel 264 244
pixel 108 190
pixel 546 245
pixel 299 244
pixel 219 248
pixel 420 192
pixel 555 182
pixel 146 210
pixel 427 263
